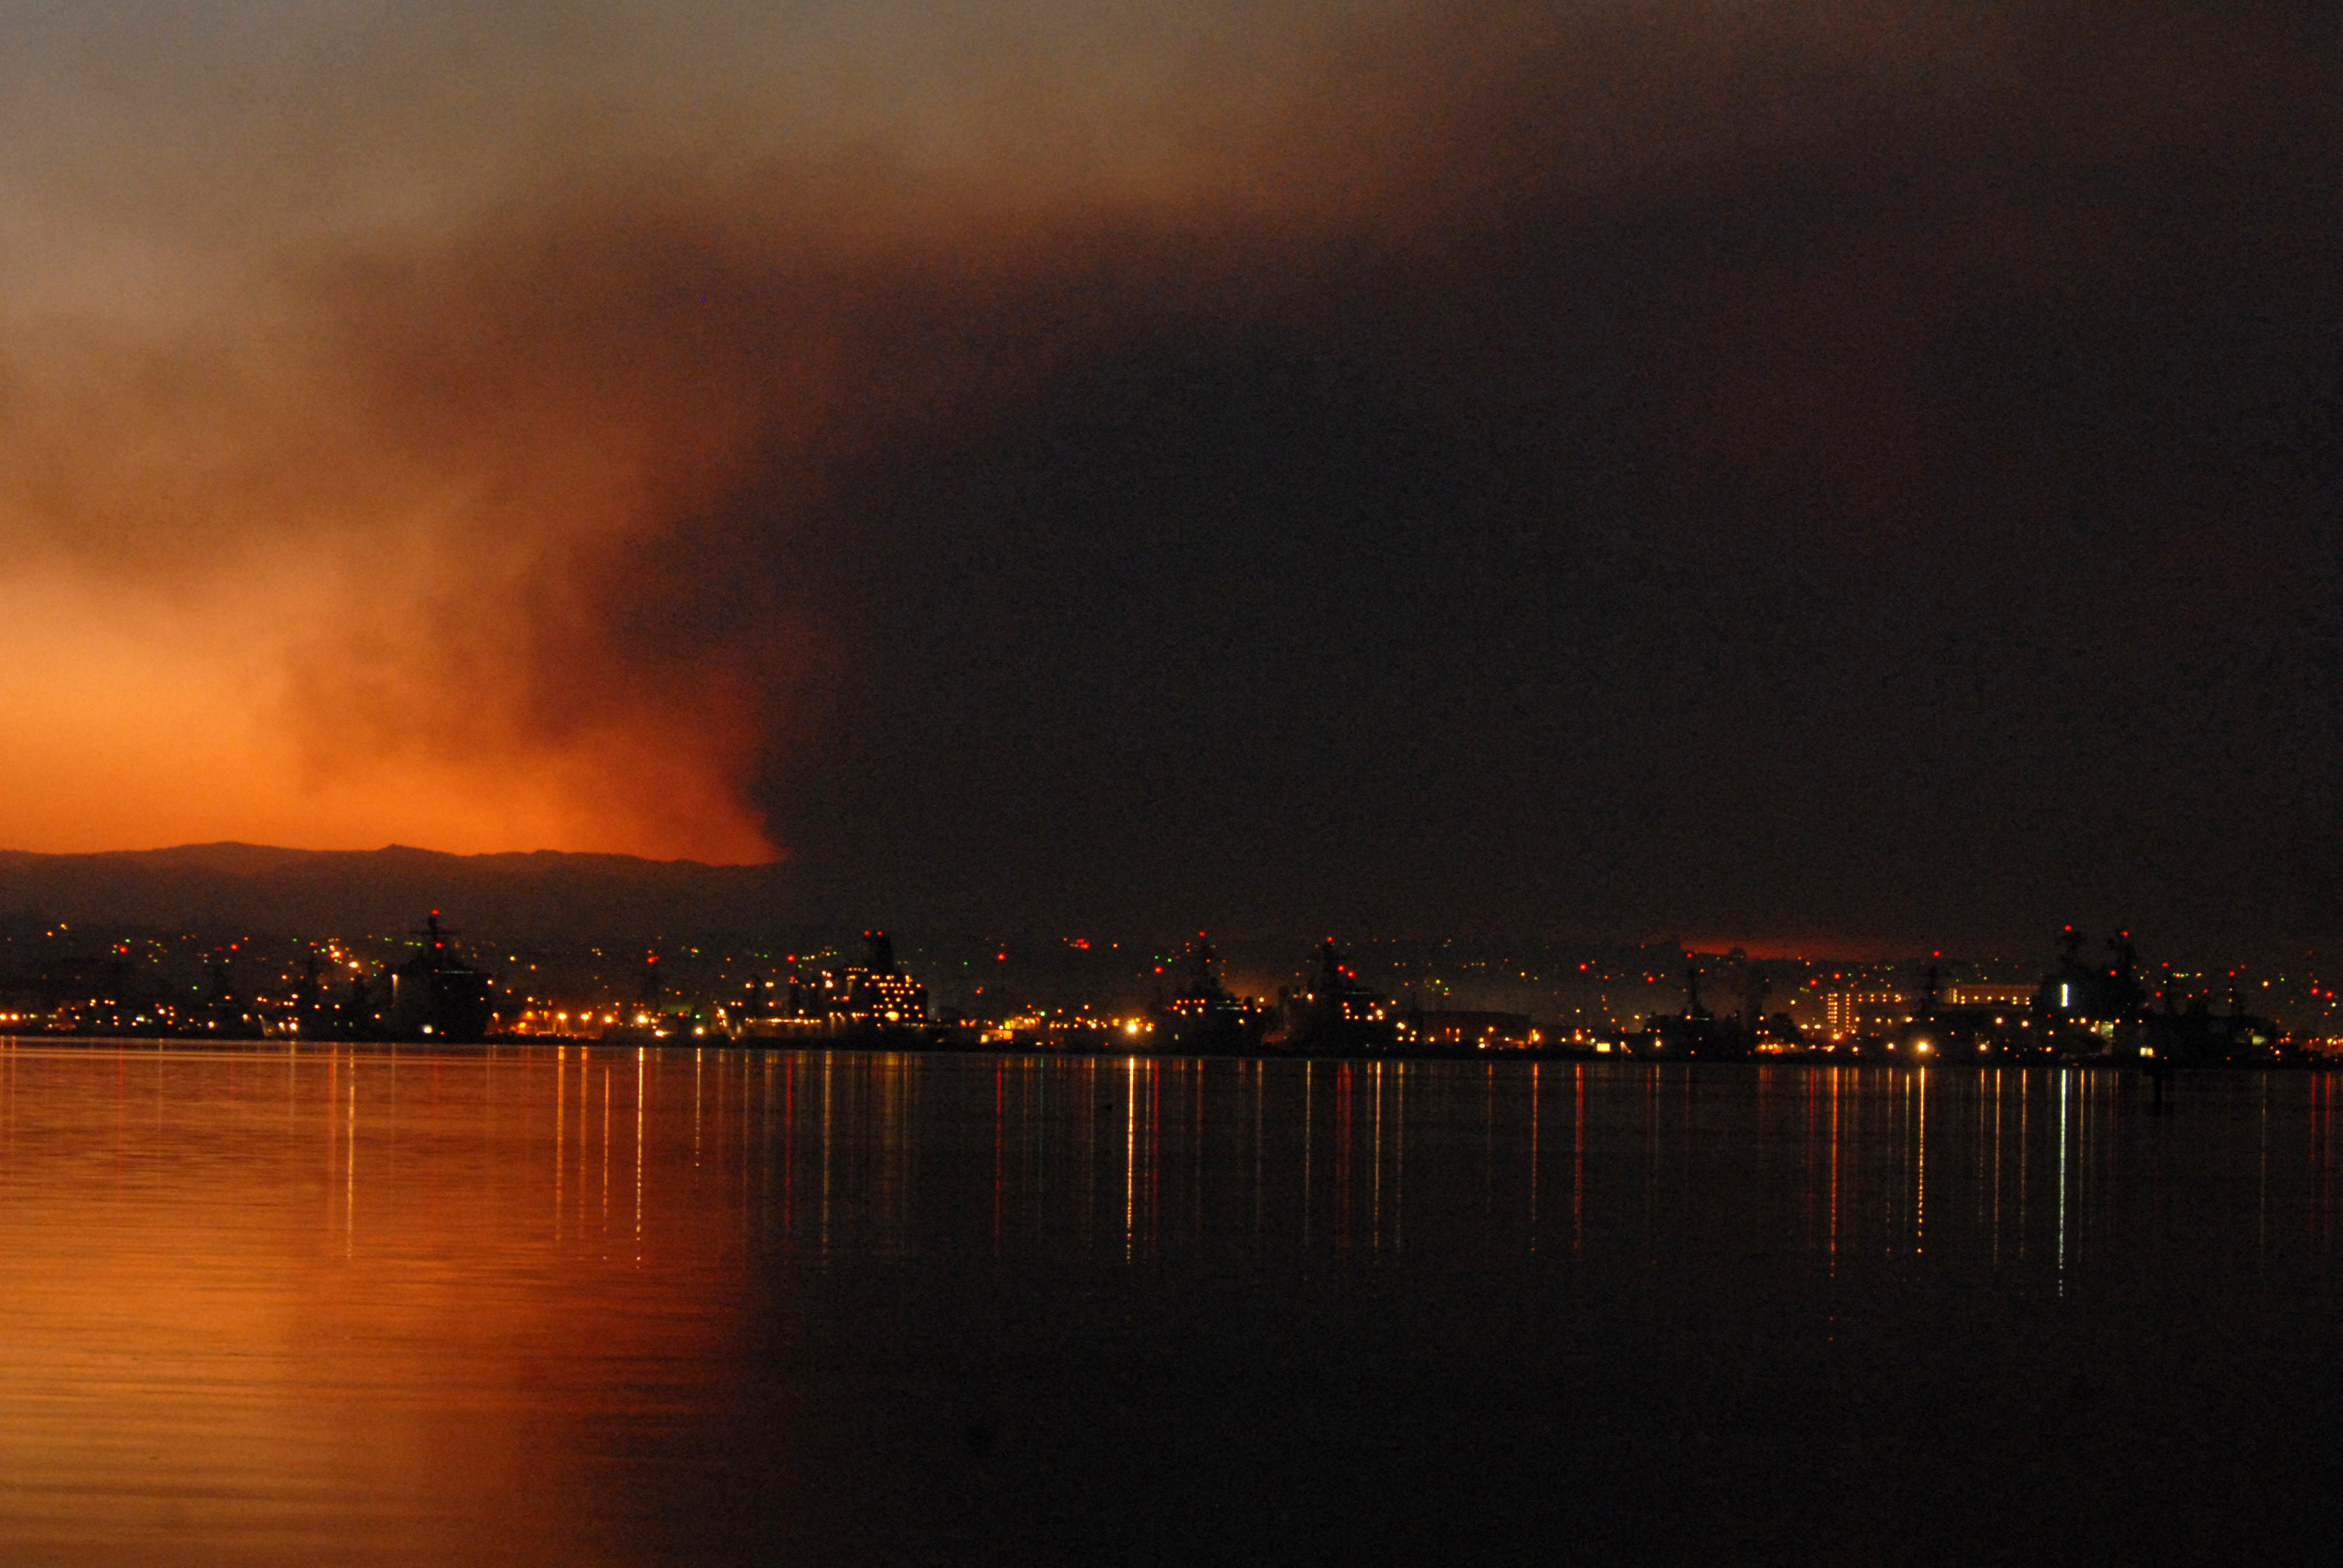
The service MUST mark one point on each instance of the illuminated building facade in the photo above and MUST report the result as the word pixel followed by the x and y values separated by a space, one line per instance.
pixel 2014 997
pixel 1848 1013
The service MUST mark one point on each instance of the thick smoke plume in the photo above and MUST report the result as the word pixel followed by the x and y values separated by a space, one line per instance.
pixel 1624 468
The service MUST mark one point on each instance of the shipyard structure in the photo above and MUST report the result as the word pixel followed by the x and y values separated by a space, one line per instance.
pixel 873 1001
pixel 425 986
pixel 2081 1009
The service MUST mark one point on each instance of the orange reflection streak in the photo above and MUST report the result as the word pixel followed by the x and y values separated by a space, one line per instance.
pixel 2065 1085
pixel 586 1137
pixel 1920 1172
pixel 789 1149
pixel 350 1171
pixel 1130 1153
pixel 641 1059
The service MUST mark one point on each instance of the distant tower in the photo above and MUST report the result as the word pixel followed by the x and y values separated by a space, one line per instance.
pixel 879 952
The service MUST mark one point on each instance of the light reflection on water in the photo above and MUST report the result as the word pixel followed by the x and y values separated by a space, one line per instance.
pixel 578 1305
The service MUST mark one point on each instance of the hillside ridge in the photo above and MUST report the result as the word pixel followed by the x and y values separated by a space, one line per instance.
pixel 262 888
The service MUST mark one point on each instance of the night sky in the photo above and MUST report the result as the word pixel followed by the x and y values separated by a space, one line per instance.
pixel 1801 475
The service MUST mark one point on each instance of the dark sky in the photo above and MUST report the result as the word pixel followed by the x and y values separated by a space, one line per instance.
pixel 1807 475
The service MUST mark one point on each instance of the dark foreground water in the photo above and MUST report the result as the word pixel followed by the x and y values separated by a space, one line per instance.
pixel 272 1307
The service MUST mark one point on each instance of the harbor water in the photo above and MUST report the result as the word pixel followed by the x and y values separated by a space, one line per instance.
pixel 545 1304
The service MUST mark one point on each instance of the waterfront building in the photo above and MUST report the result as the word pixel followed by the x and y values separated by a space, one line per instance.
pixel 1458 1030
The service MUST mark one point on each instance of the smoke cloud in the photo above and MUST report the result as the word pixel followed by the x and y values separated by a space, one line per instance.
pixel 1857 468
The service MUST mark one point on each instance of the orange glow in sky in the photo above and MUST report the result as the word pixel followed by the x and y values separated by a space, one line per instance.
pixel 153 729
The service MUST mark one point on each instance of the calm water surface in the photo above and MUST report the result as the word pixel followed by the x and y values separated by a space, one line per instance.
pixel 268 1306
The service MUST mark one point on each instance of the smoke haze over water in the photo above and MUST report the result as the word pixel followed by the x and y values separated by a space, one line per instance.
pixel 1839 467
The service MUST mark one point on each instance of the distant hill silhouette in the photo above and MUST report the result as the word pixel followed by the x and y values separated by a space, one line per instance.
pixel 261 889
